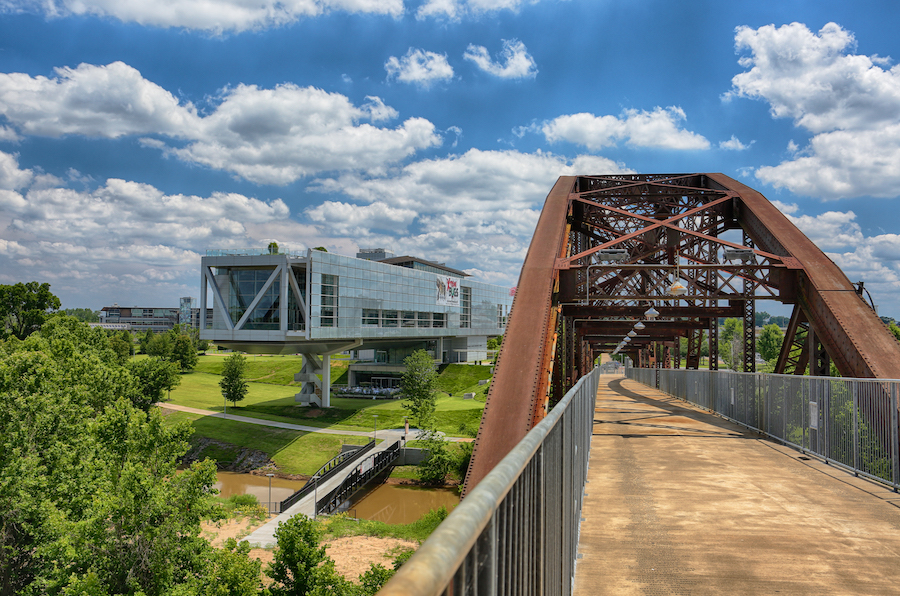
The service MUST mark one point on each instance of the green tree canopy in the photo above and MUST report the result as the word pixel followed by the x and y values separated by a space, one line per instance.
pixel 234 387
pixel 731 343
pixel 83 314
pixel 418 388
pixel 90 501
pixel 184 353
pixel 24 307
pixel 160 346
pixel 769 342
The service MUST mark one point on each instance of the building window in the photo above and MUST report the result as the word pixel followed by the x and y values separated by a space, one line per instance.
pixel 465 317
pixel 424 319
pixel 329 316
pixel 439 320
pixel 370 317
pixel 408 319
pixel 389 318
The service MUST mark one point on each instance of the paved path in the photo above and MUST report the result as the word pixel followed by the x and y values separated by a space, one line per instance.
pixel 264 536
pixel 389 435
pixel 680 501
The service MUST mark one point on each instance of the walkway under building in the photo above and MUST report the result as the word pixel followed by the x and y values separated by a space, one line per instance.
pixel 680 501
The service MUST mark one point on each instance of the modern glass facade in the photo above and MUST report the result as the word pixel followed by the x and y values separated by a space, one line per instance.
pixel 287 303
pixel 352 297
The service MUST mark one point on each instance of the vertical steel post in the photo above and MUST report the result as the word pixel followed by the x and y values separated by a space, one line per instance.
pixel 855 428
pixel 895 439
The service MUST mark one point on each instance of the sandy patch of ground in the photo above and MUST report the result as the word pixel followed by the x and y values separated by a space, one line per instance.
pixel 353 554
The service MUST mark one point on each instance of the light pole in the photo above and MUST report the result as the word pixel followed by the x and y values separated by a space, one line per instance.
pixel 224 406
pixel 315 496
pixel 375 434
pixel 270 492
pixel 405 429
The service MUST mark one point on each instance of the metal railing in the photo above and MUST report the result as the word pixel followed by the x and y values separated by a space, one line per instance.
pixel 365 471
pixel 517 530
pixel 331 467
pixel 852 423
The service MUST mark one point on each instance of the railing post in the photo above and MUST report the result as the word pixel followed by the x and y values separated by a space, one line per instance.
pixel 895 439
pixel 855 428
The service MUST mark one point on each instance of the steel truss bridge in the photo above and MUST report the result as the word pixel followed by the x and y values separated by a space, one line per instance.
pixel 607 248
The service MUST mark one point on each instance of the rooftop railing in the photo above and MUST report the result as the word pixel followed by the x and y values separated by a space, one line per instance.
pixel 252 252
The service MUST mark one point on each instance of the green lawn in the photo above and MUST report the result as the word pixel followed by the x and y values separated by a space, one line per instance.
pixel 276 402
pixel 294 452
pixel 276 370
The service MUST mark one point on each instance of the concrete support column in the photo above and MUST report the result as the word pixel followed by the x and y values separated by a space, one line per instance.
pixel 314 391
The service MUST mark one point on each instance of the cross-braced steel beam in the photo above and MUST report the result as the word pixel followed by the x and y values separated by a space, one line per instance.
pixel 696 247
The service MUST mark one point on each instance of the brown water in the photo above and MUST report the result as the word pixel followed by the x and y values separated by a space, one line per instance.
pixel 233 483
pixel 402 504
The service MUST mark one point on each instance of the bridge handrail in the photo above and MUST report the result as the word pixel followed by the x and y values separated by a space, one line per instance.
pixel 358 478
pixel 851 423
pixel 329 469
pixel 495 537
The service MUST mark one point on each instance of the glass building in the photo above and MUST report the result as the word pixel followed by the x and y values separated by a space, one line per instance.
pixel 319 304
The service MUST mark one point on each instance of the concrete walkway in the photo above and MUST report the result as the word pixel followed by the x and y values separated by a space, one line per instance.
pixel 679 501
pixel 264 536
pixel 389 435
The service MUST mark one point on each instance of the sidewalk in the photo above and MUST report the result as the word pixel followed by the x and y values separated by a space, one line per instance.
pixel 388 434
pixel 679 501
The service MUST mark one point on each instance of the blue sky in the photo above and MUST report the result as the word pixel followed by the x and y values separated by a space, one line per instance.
pixel 134 136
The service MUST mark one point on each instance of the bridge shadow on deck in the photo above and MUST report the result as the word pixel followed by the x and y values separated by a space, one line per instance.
pixel 689 510
pixel 656 414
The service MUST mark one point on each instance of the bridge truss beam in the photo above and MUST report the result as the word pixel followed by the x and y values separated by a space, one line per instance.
pixel 721 240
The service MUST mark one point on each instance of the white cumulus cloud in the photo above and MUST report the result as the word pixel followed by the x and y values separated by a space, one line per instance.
pixel 849 102
pixel 734 144
pixel 216 16
pixel 456 9
pixel 268 136
pixel 476 210
pixel 87 241
pixel 514 61
pixel 419 67
pixel 639 128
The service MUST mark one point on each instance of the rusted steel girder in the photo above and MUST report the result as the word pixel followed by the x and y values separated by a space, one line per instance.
pixel 518 396
pixel 853 335
pixel 669 227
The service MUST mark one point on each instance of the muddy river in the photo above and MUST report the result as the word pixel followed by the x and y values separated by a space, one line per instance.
pixel 388 503
pixel 402 504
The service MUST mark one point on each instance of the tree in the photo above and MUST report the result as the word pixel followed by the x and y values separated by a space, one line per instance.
pixel 120 347
pixel 145 340
pixel 90 502
pixel 83 314
pixel 160 346
pixel 298 557
pixel 895 330
pixel 234 387
pixel 184 353
pixel 418 387
pixel 769 342
pixel 433 471
pixel 731 343
pixel 153 378
pixel 494 342
pixel 24 307
pixel 273 248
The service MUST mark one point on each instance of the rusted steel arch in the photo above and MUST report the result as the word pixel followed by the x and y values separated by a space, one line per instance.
pixel 570 306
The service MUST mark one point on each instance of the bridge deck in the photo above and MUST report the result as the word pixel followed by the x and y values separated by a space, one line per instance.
pixel 680 501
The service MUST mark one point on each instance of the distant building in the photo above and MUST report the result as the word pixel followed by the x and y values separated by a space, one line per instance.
pixel 318 304
pixel 139 318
